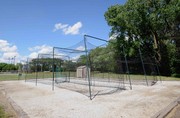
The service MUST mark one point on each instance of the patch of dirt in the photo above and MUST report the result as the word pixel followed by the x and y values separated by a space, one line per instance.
pixel 175 112
pixel 4 103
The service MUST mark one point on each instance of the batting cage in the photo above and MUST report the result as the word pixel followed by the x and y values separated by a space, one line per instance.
pixel 94 66
pixel 27 70
pixel 90 68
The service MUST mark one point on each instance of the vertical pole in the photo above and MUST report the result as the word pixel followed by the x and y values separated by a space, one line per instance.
pixel 108 76
pixel 143 66
pixel 14 59
pixel 27 68
pixel 69 68
pixel 87 68
pixel 19 70
pixel 37 62
pixel 53 71
pixel 158 72
pixel 127 67
pixel 43 70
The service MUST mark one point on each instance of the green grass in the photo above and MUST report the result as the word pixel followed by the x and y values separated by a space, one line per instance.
pixel 2 113
pixel 164 78
pixel 134 77
pixel 6 77
pixel 113 75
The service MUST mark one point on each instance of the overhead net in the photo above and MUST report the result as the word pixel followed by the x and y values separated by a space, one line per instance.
pixel 141 67
pixel 30 69
pixel 106 75
pixel 73 67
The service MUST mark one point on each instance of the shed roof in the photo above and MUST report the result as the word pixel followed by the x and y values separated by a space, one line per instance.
pixel 81 67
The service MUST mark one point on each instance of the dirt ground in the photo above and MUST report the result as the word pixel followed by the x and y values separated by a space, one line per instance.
pixel 5 104
pixel 175 113
pixel 41 102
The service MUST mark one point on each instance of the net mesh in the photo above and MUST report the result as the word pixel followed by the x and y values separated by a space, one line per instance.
pixel 93 67
pixel 89 71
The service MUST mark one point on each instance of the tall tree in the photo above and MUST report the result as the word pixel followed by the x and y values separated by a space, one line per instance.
pixel 151 22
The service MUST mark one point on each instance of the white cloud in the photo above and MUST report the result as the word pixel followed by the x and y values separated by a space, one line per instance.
pixel 67 29
pixel 59 26
pixel 3 43
pixel 33 55
pixel 7 55
pixel 73 29
pixel 75 58
pixel 6 47
pixel 8 52
pixel 81 48
pixel 44 49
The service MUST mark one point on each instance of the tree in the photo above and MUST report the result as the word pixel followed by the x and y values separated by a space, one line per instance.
pixel 82 60
pixel 7 67
pixel 2 65
pixel 102 58
pixel 44 64
pixel 150 22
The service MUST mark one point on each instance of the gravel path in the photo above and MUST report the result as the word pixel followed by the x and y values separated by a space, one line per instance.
pixel 41 102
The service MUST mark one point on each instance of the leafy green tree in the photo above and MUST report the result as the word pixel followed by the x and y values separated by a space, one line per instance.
pixel 82 60
pixel 2 65
pixel 8 67
pixel 46 64
pixel 149 22
pixel 102 58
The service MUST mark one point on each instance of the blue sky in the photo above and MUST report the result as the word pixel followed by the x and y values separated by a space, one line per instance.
pixel 29 27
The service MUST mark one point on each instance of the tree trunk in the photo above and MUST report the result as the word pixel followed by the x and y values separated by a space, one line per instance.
pixel 156 46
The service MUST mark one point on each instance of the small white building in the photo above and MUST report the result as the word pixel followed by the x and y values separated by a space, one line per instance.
pixel 81 72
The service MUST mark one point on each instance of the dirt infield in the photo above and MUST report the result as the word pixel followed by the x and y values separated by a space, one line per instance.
pixel 41 102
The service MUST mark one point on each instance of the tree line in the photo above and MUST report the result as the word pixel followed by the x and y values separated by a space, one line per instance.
pixel 7 67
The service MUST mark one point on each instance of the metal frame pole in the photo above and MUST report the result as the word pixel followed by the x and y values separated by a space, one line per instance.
pixel 158 72
pixel 37 62
pixel 143 66
pixel 87 64
pixel 69 68
pixel 127 67
pixel 26 72
pixel 53 71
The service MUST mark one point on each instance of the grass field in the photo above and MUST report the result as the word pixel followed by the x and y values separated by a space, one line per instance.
pixel 2 113
pixel 6 77
pixel 40 75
